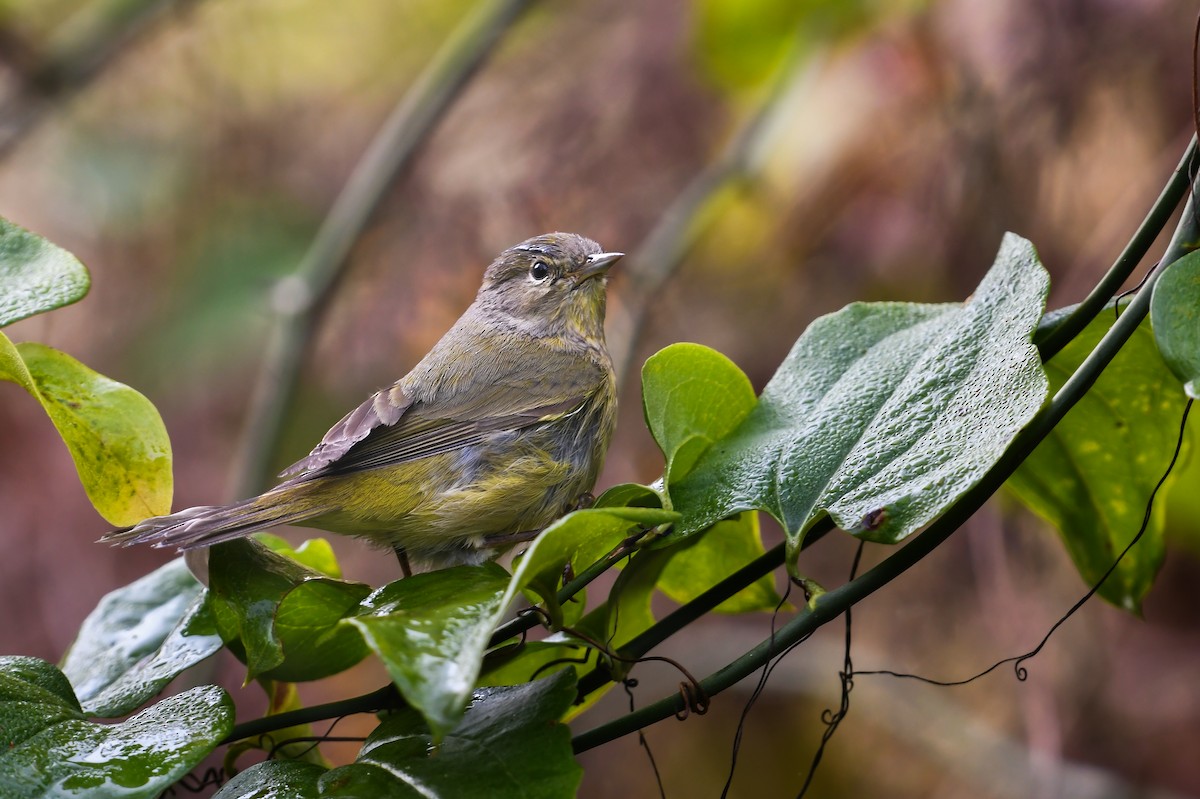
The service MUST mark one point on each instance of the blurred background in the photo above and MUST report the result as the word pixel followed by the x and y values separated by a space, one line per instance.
pixel 187 152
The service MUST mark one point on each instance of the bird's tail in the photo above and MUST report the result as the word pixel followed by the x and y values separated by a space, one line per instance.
pixel 206 525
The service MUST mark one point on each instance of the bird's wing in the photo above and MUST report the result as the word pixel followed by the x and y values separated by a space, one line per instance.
pixel 383 408
pixel 465 401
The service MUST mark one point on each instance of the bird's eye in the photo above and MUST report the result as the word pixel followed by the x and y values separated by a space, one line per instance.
pixel 539 270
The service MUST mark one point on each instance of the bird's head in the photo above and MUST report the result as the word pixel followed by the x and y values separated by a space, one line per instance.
pixel 550 282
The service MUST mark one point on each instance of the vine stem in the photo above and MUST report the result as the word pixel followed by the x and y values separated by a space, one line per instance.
pixel 684 615
pixel 827 608
pixel 388 698
pixel 299 298
pixel 385 698
pixel 81 48
pixel 833 604
pixel 1168 200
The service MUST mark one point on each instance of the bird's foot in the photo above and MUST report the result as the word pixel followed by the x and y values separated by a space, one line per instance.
pixel 582 502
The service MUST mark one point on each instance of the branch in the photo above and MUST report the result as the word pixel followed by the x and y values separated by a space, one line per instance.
pixel 78 52
pixel 833 604
pixel 659 254
pixel 386 698
pixel 299 298
pixel 1127 261
pixel 681 617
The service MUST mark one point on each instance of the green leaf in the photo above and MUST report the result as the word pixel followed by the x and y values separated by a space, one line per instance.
pixel 307 624
pixel 1092 476
pixel 579 539
pixel 276 779
pixel 629 495
pixel 51 750
pixel 430 630
pixel 115 436
pixel 35 275
pixel 627 611
pixel 517 664
pixel 285 614
pixel 138 639
pixel 315 553
pixel 702 561
pixel 1175 314
pixel 883 413
pixel 510 745
pixel 692 397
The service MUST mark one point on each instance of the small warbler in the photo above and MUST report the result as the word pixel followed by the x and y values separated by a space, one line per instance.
pixel 499 430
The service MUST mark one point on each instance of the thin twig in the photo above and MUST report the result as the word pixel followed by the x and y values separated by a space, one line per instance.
pixel 79 51
pixel 1168 200
pixel 659 254
pixel 300 297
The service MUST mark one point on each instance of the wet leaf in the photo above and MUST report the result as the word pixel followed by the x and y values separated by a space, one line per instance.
pixel 1175 313
pixel 430 630
pixel 692 396
pixel 138 639
pixel 35 275
pixel 51 750
pixel 114 434
pixel 510 745
pixel 579 539
pixel 275 779
pixel 1092 476
pixel 284 614
pixel 883 413
pixel 702 561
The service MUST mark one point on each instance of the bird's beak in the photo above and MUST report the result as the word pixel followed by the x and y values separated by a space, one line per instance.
pixel 597 265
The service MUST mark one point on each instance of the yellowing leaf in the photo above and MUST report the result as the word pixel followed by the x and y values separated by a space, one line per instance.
pixel 115 435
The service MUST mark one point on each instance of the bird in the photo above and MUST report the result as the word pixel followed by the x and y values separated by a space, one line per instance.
pixel 499 430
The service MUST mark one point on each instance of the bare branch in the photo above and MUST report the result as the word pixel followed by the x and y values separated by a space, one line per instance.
pixel 298 298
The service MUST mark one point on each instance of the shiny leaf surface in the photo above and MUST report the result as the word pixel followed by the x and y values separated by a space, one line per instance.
pixel 1175 314
pixel 114 434
pixel 51 750
pixel 35 275
pixel 430 630
pixel 287 629
pixel 883 413
pixel 138 639
pixel 510 745
pixel 1092 476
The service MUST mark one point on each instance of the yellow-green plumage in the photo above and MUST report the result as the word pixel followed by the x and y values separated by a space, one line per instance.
pixel 495 433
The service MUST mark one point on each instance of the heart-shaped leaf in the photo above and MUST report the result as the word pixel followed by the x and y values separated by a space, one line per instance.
pixel 430 630
pixel 692 396
pixel 285 614
pixel 883 414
